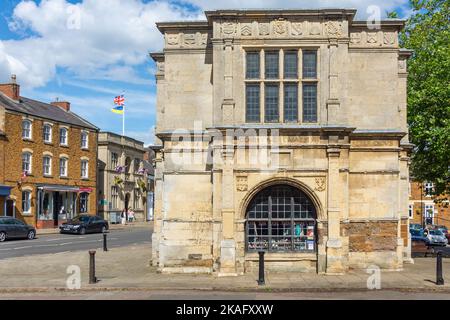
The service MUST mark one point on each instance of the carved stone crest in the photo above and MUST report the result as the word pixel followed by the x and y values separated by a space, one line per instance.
pixel 203 38
pixel 320 184
pixel 246 29
pixel 279 27
pixel 264 29
pixel 172 39
pixel 402 65
pixel 334 29
pixel 315 29
pixel 372 37
pixel 389 38
pixel 297 28
pixel 241 183
pixel 229 28
pixel 160 67
pixel 355 38
pixel 189 39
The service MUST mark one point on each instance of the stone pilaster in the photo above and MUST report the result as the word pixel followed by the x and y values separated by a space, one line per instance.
pixel 158 199
pixel 333 102
pixel 228 243
pixel 334 243
pixel 228 101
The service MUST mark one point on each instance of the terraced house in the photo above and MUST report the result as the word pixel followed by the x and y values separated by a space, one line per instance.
pixel 283 131
pixel 48 160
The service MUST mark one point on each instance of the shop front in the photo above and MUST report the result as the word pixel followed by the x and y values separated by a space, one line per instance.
pixel 57 204
pixel 5 192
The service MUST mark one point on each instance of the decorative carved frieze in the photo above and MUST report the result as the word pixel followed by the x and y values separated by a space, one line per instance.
pixel 186 40
pixel 372 37
pixel 362 38
pixel 315 29
pixel 355 38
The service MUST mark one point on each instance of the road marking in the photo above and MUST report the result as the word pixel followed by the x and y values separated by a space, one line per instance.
pixel 26 247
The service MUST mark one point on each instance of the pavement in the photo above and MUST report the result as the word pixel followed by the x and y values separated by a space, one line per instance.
pixel 127 269
pixel 56 243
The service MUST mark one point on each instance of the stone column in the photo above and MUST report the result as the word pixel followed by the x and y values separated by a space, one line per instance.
pixel 334 243
pixel 228 243
pixel 158 199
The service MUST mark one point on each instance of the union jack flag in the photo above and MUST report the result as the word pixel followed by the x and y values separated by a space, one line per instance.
pixel 119 100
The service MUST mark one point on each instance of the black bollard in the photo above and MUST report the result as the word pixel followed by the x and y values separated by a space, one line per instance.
pixel 439 277
pixel 92 277
pixel 261 269
pixel 105 247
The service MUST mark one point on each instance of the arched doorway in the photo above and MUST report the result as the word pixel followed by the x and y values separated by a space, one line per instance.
pixel 281 218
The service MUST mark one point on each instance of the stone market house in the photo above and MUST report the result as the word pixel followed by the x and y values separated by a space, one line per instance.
pixel 322 99
pixel 48 157
pixel 122 182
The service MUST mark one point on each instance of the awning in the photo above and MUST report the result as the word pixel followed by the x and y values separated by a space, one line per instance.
pixel 5 191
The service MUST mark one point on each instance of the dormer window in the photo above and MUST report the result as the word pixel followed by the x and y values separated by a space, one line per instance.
pixel 63 137
pixel 26 129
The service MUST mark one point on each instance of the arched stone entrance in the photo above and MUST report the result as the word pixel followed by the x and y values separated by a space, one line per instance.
pixel 281 218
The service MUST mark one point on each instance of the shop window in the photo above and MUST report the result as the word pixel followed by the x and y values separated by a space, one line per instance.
pixel 84 202
pixel 281 219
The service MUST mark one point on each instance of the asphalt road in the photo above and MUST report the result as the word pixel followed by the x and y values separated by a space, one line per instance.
pixel 224 296
pixel 56 243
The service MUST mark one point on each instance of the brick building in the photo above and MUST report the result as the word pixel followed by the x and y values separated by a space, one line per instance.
pixel 423 209
pixel 48 158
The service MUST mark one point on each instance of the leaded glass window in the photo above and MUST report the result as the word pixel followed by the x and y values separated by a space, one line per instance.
pixel 310 102
pixel 271 102
pixel 290 102
pixel 290 65
pixel 252 65
pixel 281 218
pixel 272 64
pixel 310 64
pixel 252 97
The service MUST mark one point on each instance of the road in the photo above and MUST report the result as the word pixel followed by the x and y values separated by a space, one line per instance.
pixel 225 295
pixel 56 243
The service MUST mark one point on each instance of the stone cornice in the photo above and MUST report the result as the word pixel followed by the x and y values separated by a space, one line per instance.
pixel 182 25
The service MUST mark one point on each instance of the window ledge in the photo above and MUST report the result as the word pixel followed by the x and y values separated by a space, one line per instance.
pixel 64 177
pixel 48 176
pixel 27 139
pixel 49 143
pixel 64 145
pixel 85 149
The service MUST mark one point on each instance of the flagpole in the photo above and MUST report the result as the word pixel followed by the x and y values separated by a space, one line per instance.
pixel 123 122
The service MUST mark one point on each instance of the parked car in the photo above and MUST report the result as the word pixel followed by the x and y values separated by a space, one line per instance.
pixel 84 224
pixel 437 237
pixel 418 235
pixel 415 226
pixel 12 228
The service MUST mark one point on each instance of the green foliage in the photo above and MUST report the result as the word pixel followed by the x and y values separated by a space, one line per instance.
pixel 427 33
pixel 392 15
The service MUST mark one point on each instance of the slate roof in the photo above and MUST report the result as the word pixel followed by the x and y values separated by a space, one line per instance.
pixel 44 110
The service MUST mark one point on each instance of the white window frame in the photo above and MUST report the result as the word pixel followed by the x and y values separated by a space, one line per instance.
pixel 50 133
pixel 84 134
pixel 30 129
pixel 66 140
pixel 428 207
pixel 49 173
pixel 30 162
pixel 66 162
pixel 26 202
pixel 85 174
pixel 428 188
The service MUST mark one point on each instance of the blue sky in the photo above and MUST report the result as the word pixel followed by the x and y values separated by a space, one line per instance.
pixel 88 51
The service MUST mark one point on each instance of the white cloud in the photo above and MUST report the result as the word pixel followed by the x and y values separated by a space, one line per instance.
pixel 91 39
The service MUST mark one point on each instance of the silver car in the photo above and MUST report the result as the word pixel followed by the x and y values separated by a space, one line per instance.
pixel 437 237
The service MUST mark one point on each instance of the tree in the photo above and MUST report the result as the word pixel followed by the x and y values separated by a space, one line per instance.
pixel 427 33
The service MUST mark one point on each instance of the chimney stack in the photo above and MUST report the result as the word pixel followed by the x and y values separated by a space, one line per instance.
pixel 62 104
pixel 11 89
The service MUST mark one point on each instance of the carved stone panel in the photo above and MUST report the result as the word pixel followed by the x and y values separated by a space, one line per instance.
pixel 315 28
pixel 297 28
pixel 320 184
pixel 334 29
pixel 280 27
pixel 241 183
pixel 228 28
pixel 246 29
pixel 264 29
pixel 172 39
